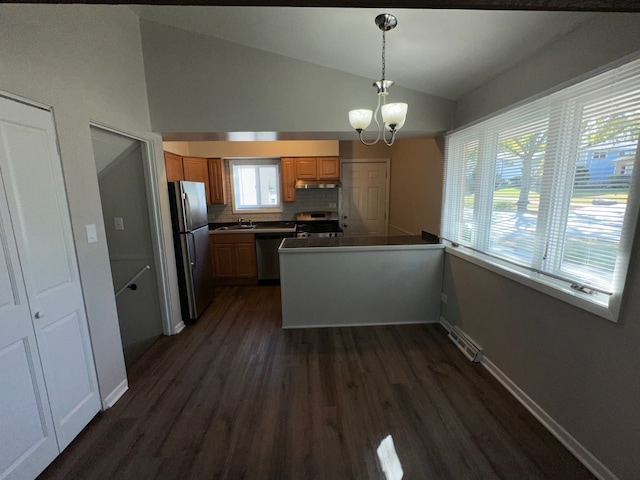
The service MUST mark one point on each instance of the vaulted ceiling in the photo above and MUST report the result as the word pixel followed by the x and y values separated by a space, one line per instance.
pixel 446 53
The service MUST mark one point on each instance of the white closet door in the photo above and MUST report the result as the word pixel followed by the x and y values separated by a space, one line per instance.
pixel 37 201
pixel 26 427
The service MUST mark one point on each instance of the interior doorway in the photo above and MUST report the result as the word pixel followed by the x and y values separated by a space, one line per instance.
pixel 120 164
pixel 365 197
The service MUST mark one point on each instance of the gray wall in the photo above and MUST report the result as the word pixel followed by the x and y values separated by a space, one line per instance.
pixel 605 38
pixel 198 83
pixel 581 369
pixel 123 194
pixel 85 62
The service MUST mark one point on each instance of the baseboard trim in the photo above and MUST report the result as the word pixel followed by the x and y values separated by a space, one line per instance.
pixel 402 230
pixel 576 448
pixel 111 399
pixel 445 324
pixel 381 324
pixel 179 327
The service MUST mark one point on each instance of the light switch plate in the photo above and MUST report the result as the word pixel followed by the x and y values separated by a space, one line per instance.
pixel 92 234
pixel 118 223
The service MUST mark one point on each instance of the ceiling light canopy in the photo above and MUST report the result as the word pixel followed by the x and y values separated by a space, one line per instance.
pixel 393 114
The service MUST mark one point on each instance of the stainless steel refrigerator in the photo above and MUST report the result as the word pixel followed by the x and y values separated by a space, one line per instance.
pixel 191 241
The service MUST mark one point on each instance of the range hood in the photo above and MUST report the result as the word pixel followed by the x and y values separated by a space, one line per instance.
pixel 317 183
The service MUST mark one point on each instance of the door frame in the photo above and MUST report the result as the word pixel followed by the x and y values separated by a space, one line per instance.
pixel 155 215
pixel 387 162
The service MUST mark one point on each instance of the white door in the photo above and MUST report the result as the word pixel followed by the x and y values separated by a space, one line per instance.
pixel 365 198
pixel 26 427
pixel 37 202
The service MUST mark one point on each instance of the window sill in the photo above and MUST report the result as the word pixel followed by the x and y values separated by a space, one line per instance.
pixel 263 210
pixel 602 305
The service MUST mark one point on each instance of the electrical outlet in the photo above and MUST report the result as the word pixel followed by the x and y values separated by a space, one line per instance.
pixel 332 205
pixel 118 223
pixel 443 297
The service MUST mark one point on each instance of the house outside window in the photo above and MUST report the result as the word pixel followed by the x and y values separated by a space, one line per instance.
pixel 542 192
pixel 255 185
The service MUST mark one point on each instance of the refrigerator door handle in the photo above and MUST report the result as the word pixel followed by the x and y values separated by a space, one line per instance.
pixel 193 258
pixel 186 208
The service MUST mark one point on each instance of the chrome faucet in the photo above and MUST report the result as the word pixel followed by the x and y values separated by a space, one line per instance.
pixel 240 220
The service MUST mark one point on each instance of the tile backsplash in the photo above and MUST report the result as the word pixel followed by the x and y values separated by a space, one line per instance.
pixel 306 200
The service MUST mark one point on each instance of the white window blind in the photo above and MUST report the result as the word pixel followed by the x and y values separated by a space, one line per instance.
pixel 545 186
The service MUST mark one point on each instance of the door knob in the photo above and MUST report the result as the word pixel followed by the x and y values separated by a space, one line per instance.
pixel 39 315
pixel 345 217
pixel 345 225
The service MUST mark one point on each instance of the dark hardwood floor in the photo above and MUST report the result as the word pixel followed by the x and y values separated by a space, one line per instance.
pixel 236 397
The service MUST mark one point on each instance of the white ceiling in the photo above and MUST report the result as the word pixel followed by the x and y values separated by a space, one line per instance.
pixel 446 53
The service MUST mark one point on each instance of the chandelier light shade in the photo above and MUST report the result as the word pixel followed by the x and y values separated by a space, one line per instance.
pixel 393 114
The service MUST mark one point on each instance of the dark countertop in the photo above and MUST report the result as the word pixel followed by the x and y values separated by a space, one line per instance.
pixel 257 228
pixel 357 241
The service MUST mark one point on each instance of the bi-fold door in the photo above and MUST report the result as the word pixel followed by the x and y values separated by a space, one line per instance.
pixel 48 387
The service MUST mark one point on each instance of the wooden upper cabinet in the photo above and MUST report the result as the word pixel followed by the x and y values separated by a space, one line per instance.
pixel 288 179
pixel 217 181
pixel 173 166
pixel 196 170
pixel 210 171
pixel 306 168
pixel 318 168
pixel 328 167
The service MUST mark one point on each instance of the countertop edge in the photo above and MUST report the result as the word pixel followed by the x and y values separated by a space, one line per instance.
pixel 359 248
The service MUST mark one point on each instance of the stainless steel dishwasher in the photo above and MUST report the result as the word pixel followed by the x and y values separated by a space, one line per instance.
pixel 267 255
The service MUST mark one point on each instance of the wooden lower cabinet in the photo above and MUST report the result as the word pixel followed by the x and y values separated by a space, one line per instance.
pixel 234 257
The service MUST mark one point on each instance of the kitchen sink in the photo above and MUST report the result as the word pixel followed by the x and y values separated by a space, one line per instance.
pixel 237 227
pixel 262 227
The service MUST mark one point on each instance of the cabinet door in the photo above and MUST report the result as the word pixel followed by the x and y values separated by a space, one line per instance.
pixel 288 177
pixel 49 266
pixel 306 168
pixel 246 266
pixel 217 181
pixel 223 260
pixel 328 167
pixel 196 170
pixel 173 166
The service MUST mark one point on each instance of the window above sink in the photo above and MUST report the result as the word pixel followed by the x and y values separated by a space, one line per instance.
pixel 255 185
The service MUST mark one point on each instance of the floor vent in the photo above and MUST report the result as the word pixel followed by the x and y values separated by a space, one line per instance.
pixel 465 344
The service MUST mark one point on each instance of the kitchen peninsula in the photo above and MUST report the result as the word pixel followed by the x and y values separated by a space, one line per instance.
pixel 346 281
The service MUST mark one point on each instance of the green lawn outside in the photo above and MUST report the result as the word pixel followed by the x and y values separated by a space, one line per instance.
pixel 505 197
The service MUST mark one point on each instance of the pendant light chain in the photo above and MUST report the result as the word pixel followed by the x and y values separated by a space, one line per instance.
pixel 384 66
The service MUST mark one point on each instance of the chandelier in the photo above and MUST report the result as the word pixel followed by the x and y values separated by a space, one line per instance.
pixel 393 114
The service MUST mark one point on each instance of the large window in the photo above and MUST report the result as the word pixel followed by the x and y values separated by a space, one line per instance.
pixel 544 191
pixel 256 185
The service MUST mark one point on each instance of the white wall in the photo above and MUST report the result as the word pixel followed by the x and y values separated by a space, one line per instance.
pixel 580 369
pixel 85 62
pixel 198 83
